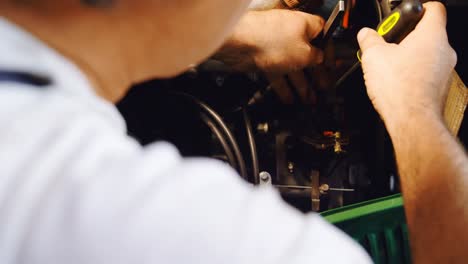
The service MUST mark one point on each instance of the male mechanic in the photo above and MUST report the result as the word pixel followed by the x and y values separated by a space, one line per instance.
pixel 74 188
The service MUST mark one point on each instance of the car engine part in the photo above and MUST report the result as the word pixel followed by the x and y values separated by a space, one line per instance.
pixel 323 156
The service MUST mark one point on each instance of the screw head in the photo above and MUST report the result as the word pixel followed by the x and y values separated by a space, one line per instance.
pixel 265 176
pixel 291 167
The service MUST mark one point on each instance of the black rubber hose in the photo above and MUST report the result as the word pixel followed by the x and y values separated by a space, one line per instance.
pixel 221 139
pixel 252 146
pixel 217 119
pixel 379 10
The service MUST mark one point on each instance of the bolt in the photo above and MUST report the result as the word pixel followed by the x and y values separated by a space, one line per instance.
pixel 291 167
pixel 265 176
pixel 263 128
pixel 324 188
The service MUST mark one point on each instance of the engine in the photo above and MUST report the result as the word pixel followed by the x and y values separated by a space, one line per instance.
pixel 320 156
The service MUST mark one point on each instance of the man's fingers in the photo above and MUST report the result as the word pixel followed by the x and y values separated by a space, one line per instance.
pixel 281 88
pixel 433 23
pixel 369 38
pixel 299 81
pixel 287 87
pixel 435 15
pixel 314 24
pixel 315 56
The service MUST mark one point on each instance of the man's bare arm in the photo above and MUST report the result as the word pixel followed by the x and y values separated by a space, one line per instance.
pixel 407 84
pixel 434 175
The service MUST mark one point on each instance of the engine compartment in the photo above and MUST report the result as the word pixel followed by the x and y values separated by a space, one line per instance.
pixel 319 156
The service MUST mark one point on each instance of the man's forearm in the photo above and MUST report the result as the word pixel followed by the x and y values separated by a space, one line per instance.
pixel 434 174
pixel 237 51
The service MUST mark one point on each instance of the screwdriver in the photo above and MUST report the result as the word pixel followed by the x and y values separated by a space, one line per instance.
pixel 394 28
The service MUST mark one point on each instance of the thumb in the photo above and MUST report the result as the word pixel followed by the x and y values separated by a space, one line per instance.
pixel 369 38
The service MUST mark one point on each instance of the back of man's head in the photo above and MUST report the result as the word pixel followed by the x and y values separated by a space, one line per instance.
pixel 181 32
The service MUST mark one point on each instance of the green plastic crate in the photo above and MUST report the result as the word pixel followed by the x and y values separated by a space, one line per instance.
pixel 378 225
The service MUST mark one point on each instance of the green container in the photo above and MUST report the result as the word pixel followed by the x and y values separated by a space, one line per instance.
pixel 378 225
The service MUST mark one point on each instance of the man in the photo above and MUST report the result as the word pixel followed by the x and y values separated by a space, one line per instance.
pixel 76 189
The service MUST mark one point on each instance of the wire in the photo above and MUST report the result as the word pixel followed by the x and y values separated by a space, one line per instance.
pixel 218 120
pixel 253 147
pixel 221 138
pixel 379 10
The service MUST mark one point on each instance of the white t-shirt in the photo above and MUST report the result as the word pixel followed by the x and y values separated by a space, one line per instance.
pixel 74 188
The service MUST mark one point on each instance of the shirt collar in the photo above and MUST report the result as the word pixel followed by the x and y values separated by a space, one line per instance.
pixel 21 51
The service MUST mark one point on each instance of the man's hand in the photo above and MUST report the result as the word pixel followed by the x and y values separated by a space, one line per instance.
pixel 276 42
pixel 407 83
pixel 411 77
